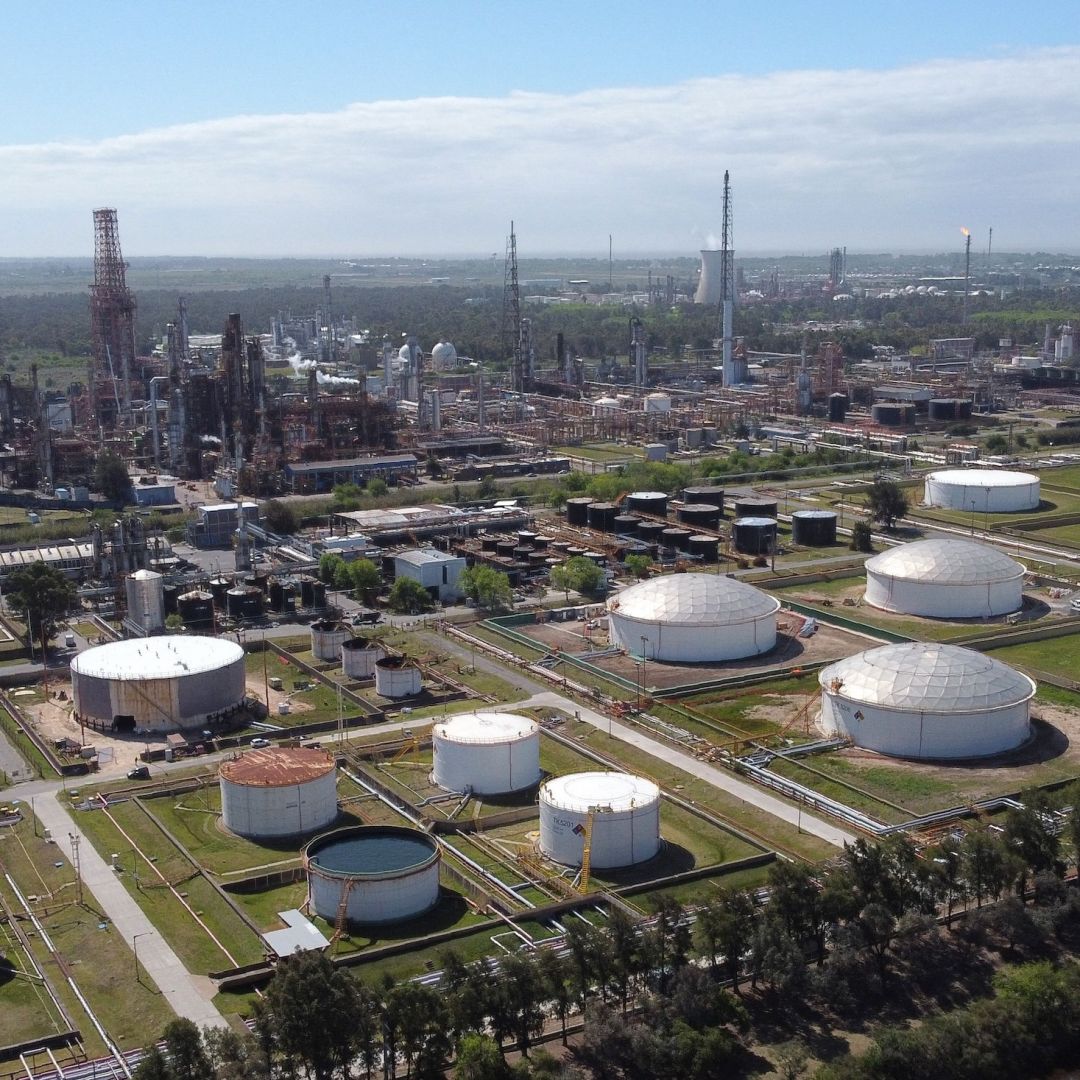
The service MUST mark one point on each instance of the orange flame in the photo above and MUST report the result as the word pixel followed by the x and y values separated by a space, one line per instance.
pixel 966 232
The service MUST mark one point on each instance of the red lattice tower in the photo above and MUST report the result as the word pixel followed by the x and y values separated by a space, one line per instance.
pixel 112 316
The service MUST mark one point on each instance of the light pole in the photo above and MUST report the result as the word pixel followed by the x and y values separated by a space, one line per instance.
pixel 972 517
pixel 641 699
pixel 135 950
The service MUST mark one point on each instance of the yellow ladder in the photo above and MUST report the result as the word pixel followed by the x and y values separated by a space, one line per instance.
pixel 586 853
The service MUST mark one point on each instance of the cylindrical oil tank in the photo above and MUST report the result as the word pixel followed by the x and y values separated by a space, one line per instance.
pixel 327 637
pixel 488 753
pixel 397 677
pixel 505 548
pixel 704 548
pixel 380 873
pixel 838 407
pixel 559 547
pixel 813 528
pixel 489 542
pixel 278 791
pixel 893 414
pixel 526 538
pixel 704 493
pixel 963 408
pixel 676 538
pixel 288 596
pixel 146 599
pixel 754 535
pixel 521 554
pixel 602 516
pixel 700 515
pixel 540 543
pixel 219 586
pixel 624 812
pixel 574 552
pixel 597 557
pixel 577 511
pixel 626 524
pixel 755 506
pixel 358 657
pixel 538 559
pixel 244 602
pixel 258 579
pixel 196 608
pixel 991 491
pixel 276 595
pixel 318 594
pixel 307 590
pixel 169 593
pixel 650 531
pixel 647 502
pixel 942 409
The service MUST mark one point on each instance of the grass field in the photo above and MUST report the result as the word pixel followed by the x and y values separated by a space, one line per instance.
pixel 1058 656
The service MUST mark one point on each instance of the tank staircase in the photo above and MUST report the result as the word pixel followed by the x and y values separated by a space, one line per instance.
pixel 341 919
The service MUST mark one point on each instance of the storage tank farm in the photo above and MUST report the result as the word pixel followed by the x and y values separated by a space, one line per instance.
pixel 625 819
pixel 926 700
pixel 487 753
pixel 982 491
pixel 158 683
pixel 945 579
pixel 278 791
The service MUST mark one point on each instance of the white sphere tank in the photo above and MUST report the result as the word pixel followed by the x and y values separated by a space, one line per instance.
pixel 397 677
pixel 945 579
pixel 625 813
pixel 656 403
pixel 384 873
pixel 327 637
pixel 359 656
pixel 693 618
pixel 926 700
pixel 982 491
pixel 443 356
pixel 486 752
pixel 278 791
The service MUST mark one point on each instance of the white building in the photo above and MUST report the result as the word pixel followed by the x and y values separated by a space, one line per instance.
pixel 435 570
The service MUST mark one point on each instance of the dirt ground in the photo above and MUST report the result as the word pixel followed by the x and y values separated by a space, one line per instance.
pixel 258 687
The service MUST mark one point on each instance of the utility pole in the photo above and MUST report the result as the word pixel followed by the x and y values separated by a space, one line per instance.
pixel 967 272
pixel 76 863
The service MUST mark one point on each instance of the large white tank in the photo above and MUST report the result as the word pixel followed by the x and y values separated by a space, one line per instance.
pixel 486 752
pixel 656 403
pixel 443 356
pixel 605 406
pixel 982 491
pixel 397 677
pixel 158 683
pixel 359 656
pixel 384 873
pixel 693 618
pixel 327 637
pixel 945 579
pixel 278 791
pixel 926 700
pixel 625 812
pixel 145 592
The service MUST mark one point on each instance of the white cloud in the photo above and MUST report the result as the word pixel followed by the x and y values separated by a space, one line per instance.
pixel 870 159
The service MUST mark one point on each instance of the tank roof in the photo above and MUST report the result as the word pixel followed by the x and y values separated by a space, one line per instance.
pixel 604 791
pixel 946 562
pixel 172 656
pixel 277 766
pixel 693 599
pixel 485 728
pixel 928 677
pixel 992 478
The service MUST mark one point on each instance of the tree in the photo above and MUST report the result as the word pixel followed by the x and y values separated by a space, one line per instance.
pixel 862 537
pixel 490 588
pixel 365 579
pixel 111 477
pixel 487 488
pixel 43 594
pixel 578 574
pixel 433 466
pixel 886 502
pixel 480 1058
pixel 280 517
pixel 409 597
pixel 185 1051
pixel 346 497
pixel 997 444
pixel 638 565
pixel 331 565
pixel 376 487
pixel 154 1066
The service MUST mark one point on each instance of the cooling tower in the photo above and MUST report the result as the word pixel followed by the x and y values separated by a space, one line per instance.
pixel 712 268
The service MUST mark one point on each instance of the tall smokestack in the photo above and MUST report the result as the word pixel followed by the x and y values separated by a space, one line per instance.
pixel 967 272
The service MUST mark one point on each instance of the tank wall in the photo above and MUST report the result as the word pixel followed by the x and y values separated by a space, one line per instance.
pixel 397 682
pixel 923 734
pixel 376 900
pixel 211 691
pixel 489 768
pixel 693 644
pixel 252 810
pixel 994 500
pixel 939 601
pixel 326 644
pixel 618 839
pixel 360 663
pixel 153 702
pixel 93 696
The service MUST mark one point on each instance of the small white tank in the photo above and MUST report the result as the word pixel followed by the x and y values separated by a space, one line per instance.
pixel 359 656
pixel 486 752
pixel 656 403
pixel 146 599
pixel 397 677
pixel 327 638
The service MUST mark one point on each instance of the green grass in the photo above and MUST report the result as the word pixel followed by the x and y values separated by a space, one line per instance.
pixel 25 746
pixel 1058 656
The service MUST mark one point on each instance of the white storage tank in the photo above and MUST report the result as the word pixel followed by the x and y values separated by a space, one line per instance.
pixel 397 677
pixel 945 579
pixel 605 406
pixel 359 656
pixel 159 683
pixel 488 753
pixel 384 873
pixel 278 791
pixel 982 491
pixel 327 637
pixel 443 356
pixel 656 403
pixel 693 618
pixel 145 592
pixel 625 811
pixel 926 700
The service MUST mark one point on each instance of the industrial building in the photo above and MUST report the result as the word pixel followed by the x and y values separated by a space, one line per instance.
pixel 217 523
pixel 437 571
pixel 487 753
pixel 982 491
pixel 926 700
pixel 321 477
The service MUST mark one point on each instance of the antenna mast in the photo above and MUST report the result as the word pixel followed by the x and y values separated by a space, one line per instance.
pixel 727 285
pixel 512 314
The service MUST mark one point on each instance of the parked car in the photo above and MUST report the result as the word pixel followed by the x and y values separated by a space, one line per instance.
pixel 258 744
pixel 140 772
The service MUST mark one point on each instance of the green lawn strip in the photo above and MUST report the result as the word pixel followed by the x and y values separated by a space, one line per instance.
pixel 24 745
pixel 1058 656
pixel 839 791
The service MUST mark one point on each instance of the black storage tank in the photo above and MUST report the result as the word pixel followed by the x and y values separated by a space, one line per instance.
pixel 196 608
pixel 506 548
pixel 704 547
pixel 813 528
pixel 307 590
pixel 521 554
pixel 942 409
pixel 647 502
pixel 602 515
pixel 318 594
pixel 540 543
pixel 893 414
pixel 838 407
pixel 526 539
pixel 626 524
pixel 277 595
pixel 219 586
pixel 676 538
pixel 963 409
pixel 489 542
pixel 754 535
pixel 650 531
pixel 704 493
pixel 755 506
pixel 577 511
pixel 288 596
pixel 700 515
pixel 169 593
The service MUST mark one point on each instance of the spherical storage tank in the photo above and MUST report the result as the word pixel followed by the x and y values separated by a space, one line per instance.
pixel 384 873
pixel 984 491
pixel 693 618
pixel 926 700
pixel 278 791
pixel 625 812
pixel 396 677
pixel 486 752
pixel 945 579
pixel 443 356
pixel 158 683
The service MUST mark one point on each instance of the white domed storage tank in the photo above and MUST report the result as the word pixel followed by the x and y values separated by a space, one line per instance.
pixel 327 637
pixel 926 700
pixel 359 656
pixel 397 677
pixel 693 618
pixel 605 406
pixel 145 594
pixel 159 683
pixel 443 356
pixel 278 791
pixel 488 753
pixel 945 579
pixel 982 491
pixel 384 873
pixel 625 813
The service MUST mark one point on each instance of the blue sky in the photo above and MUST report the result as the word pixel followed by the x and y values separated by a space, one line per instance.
pixel 421 128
